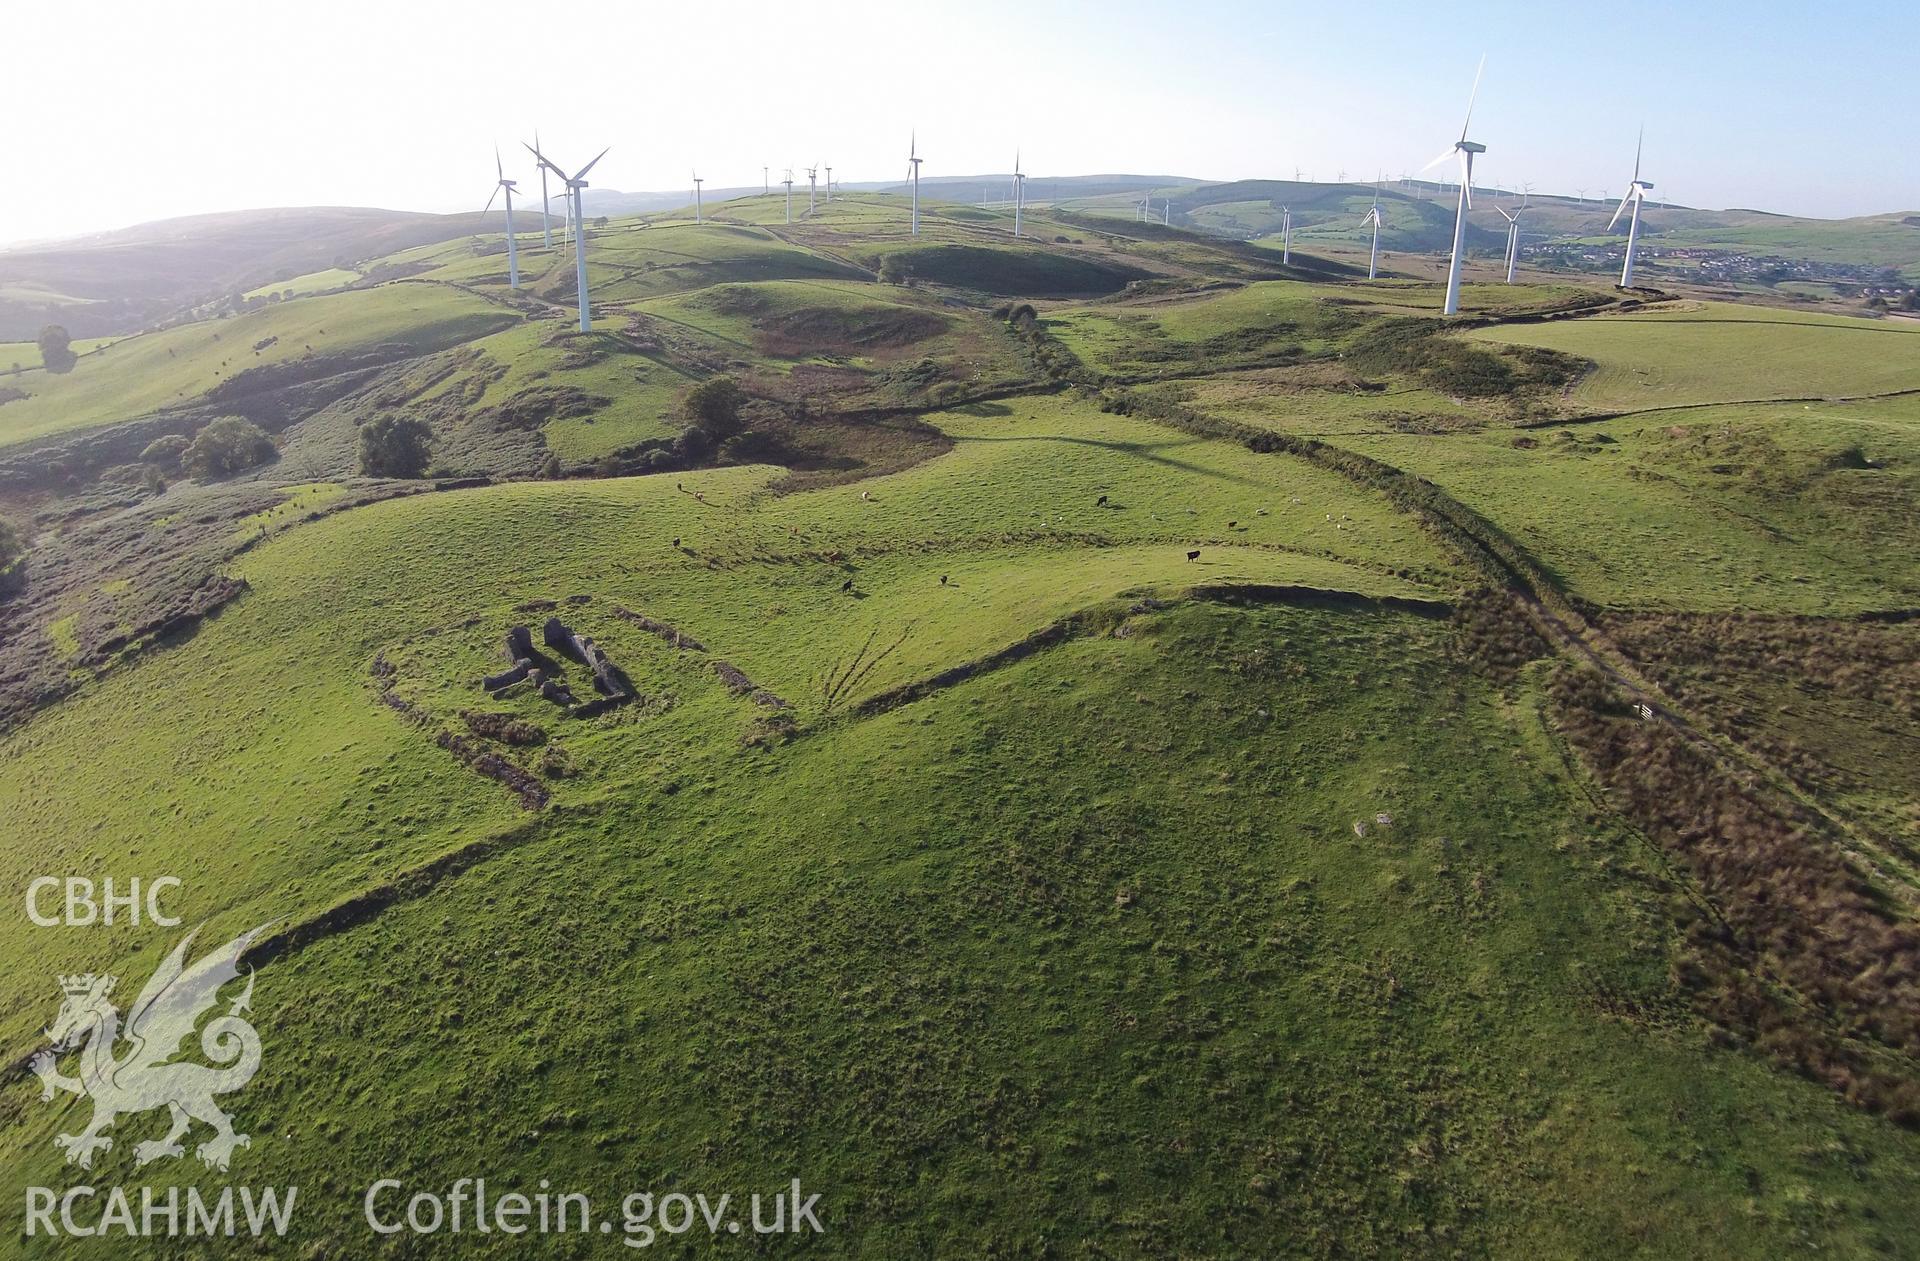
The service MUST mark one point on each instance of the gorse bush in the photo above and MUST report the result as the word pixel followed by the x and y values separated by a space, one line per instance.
pixel 165 452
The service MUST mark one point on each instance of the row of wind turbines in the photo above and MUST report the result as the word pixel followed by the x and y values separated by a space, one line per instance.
pixel 1462 150
pixel 574 184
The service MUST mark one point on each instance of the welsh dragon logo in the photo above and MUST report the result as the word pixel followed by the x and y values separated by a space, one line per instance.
pixel 132 1071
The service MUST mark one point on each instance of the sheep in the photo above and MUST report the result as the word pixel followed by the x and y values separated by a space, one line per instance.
pixel 1194 554
pixel 943 580
pixel 866 496
pixel 676 542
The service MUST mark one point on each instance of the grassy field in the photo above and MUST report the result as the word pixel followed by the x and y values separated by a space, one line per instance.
pixel 142 374
pixel 1100 831
pixel 1710 352
pixel 27 354
pixel 1312 1042
pixel 311 282
pixel 1798 508
pixel 1191 334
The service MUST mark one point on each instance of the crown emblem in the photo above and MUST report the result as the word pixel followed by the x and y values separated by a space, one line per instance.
pixel 84 983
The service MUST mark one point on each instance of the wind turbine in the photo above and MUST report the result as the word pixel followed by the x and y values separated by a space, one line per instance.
pixel 789 183
pixel 546 213
pixel 1166 213
pixel 501 183
pixel 1373 217
pixel 829 186
pixel 1019 192
pixel 1636 193
pixel 697 182
pixel 913 173
pixel 765 187
pixel 813 189
pixel 1286 235
pixel 575 184
pixel 1513 236
pixel 1464 149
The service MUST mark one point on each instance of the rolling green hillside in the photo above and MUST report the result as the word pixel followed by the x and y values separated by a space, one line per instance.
pixel 1120 748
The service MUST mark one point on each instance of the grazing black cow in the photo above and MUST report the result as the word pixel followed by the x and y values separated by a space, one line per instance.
pixel 676 542
pixel 1101 502
pixel 1233 525
pixel 847 585
pixel 1194 554
pixel 943 580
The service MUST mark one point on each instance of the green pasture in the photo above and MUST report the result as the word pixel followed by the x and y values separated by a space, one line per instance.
pixel 143 374
pixel 1712 352
pixel 1791 508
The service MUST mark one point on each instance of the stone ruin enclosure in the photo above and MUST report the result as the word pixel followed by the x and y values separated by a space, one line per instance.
pixel 537 672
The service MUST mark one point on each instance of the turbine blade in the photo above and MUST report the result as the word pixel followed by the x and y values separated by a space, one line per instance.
pixel 596 158
pixel 1620 211
pixel 1466 176
pixel 489 205
pixel 544 164
pixel 1451 150
pixel 1637 146
pixel 1473 96
pixel 497 168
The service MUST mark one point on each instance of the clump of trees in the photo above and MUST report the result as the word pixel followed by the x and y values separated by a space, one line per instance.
pixel 712 411
pixel 395 446
pixel 56 349
pixel 225 446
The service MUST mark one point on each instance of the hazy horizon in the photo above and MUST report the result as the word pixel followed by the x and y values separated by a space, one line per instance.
pixel 400 108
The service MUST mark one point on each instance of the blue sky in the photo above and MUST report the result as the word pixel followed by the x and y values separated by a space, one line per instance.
pixel 153 108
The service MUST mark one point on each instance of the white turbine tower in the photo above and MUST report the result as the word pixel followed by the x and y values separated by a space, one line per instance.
pixel 1513 236
pixel 546 212
pixel 789 186
pixel 698 215
pixel 813 190
pixel 502 183
pixel 1166 213
pixel 1464 149
pixel 1373 217
pixel 1636 193
pixel 765 185
pixel 576 183
pixel 1286 235
pixel 829 186
pixel 1019 192
pixel 913 174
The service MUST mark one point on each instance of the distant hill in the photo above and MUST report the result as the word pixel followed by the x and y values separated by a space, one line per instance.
pixel 116 282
